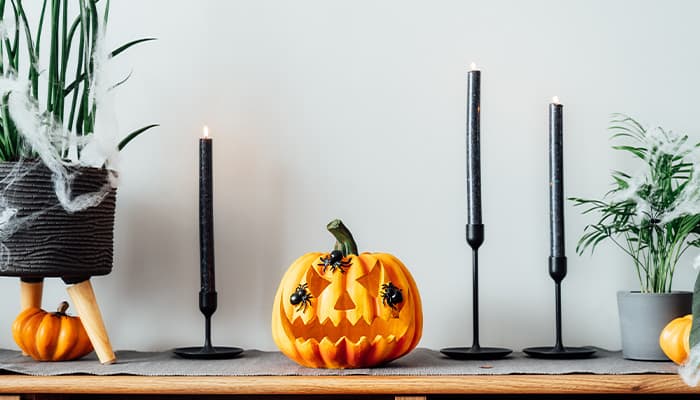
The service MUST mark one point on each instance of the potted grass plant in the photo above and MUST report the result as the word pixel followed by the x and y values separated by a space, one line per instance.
pixel 57 181
pixel 654 217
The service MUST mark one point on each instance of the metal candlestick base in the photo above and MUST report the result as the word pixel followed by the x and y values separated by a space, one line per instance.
pixel 211 353
pixel 557 270
pixel 475 237
pixel 559 353
pixel 472 353
pixel 207 305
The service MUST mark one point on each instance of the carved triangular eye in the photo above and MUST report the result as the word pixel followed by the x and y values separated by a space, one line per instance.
pixel 316 283
pixel 372 280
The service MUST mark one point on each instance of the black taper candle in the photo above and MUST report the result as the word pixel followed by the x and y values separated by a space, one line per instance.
pixel 475 227
pixel 473 147
pixel 556 179
pixel 207 291
pixel 557 258
pixel 207 294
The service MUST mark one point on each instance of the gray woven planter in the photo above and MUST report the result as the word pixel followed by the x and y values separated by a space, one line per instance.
pixel 73 246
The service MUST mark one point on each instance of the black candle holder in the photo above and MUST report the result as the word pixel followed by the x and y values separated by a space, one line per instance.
pixel 557 270
pixel 207 305
pixel 475 238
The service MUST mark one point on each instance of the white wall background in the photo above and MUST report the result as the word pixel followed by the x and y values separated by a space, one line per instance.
pixel 324 109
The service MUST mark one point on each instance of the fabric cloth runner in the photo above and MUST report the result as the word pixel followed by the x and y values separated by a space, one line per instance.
pixel 256 363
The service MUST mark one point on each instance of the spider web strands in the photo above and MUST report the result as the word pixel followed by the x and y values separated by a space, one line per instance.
pixel 690 370
pixel 43 135
pixel 80 39
pixel 656 212
pixel 40 134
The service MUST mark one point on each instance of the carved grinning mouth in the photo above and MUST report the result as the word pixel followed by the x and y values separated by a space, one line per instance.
pixel 345 344
pixel 394 326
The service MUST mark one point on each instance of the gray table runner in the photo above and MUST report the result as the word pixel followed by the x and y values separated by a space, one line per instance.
pixel 254 362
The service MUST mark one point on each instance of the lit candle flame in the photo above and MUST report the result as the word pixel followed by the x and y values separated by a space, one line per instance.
pixel 205 132
pixel 555 99
pixel 472 66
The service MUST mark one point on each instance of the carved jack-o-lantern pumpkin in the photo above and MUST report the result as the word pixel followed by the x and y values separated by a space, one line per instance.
pixel 346 310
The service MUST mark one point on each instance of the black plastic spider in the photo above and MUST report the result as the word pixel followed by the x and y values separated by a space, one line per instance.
pixel 301 297
pixel 391 295
pixel 335 261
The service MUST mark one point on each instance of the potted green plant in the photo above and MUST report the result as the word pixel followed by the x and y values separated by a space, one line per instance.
pixel 654 217
pixel 57 184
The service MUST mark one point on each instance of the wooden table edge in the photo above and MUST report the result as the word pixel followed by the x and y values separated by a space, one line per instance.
pixel 354 385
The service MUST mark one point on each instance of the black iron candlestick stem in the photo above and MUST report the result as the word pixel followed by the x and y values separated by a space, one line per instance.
pixel 475 300
pixel 557 271
pixel 559 343
pixel 475 238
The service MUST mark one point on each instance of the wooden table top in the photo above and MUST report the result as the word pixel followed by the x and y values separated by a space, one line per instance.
pixel 358 385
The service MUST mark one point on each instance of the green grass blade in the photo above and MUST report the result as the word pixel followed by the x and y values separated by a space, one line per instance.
pixel 106 16
pixel 94 32
pixel 66 55
pixel 81 120
pixel 9 132
pixel 123 81
pixel 85 35
pixel 53 56
pixel 62 65
pixel 2 45
pixel 33 56
pixel 124 47
pixel 78 74
pixel 114 53
pixel 639 152
pixel 133 135
pixel 15 44
pixel 39 29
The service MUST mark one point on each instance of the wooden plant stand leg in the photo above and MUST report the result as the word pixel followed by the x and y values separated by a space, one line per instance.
pixel 86 305
pixel 30 292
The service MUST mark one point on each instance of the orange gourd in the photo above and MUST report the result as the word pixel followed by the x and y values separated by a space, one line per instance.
pixel 346 310
pixel 50 336
pixel 675 339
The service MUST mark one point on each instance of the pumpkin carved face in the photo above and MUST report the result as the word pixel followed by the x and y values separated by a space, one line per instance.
pixel 344 310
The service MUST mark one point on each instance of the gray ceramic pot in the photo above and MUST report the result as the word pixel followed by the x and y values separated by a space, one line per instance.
pixel 643 316
pixel 53 242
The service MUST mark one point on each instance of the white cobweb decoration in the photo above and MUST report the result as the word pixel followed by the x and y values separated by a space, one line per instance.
pixel 690 370
pixel 661 143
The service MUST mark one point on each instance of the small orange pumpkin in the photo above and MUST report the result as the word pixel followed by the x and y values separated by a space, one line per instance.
pixel 346 310
pixel 675 339
pixel 51 336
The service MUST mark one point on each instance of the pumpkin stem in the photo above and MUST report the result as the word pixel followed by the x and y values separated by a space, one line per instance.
pixel 344 240
pixel 62 308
